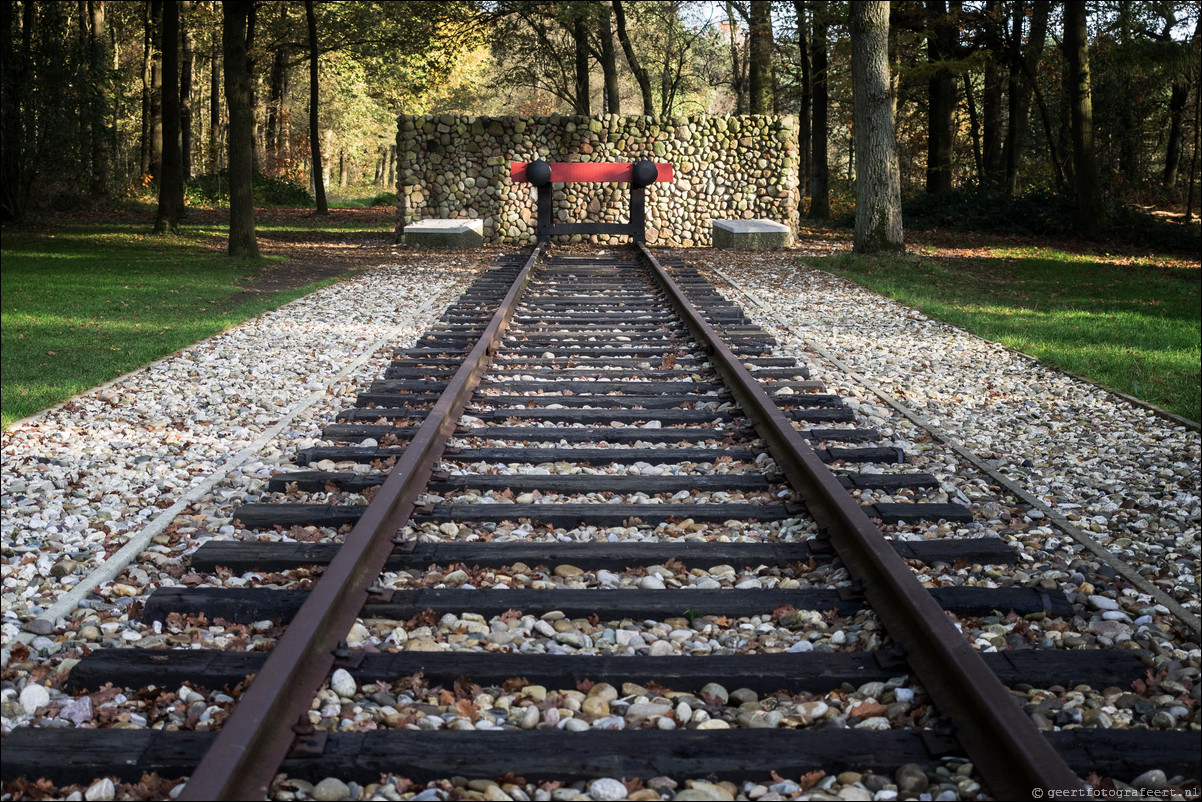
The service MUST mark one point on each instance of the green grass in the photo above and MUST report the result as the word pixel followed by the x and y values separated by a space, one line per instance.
pixel 85 304
pixel 1129 325
pixel 360 198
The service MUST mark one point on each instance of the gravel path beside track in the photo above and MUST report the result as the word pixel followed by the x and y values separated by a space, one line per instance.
pixel 1117 471
pixel 83 478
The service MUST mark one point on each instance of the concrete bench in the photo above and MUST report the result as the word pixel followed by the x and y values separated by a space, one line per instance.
pixel 751 235
pixel 436 233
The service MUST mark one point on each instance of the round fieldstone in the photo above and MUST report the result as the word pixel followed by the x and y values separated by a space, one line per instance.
pixel 607 789
pixel 34 696
pixel 100 791
pixel 331 789
pixel 343 684
pixel 911 779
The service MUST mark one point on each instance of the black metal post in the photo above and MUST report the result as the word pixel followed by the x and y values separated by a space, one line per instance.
pixel 638 214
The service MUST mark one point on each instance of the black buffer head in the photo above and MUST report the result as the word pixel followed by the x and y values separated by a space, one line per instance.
pixel 644 173
pixel 538 173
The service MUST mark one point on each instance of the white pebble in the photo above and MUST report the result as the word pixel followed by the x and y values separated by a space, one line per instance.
pixel 101 790
pixel 343 684
pixel 34 696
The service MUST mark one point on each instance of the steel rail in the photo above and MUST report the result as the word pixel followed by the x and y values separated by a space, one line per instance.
pixel 1010 752
pixel 256 738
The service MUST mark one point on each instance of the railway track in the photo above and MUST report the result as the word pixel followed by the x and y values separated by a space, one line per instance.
pixel 593 509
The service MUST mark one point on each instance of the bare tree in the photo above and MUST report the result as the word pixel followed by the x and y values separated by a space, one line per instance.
pixel 738 64
pixel 640 72
pixel 579 29
pixel 609 64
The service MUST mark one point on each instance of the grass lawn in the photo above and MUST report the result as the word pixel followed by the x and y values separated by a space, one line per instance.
pixel 86 302
pixel 1128 323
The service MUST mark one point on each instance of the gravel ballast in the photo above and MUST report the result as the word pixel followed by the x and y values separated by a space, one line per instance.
pixel 73 494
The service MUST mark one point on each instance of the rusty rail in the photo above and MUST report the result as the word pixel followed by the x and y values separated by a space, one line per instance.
pixel 1003 743
pixel 256 738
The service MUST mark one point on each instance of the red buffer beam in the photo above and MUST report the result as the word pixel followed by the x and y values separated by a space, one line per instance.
pixel 592 172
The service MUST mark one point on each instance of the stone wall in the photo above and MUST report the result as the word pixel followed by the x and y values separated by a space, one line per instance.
pixel 727 167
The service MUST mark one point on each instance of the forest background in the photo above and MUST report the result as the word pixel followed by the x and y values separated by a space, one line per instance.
pixel 983 93
pixel 1059 121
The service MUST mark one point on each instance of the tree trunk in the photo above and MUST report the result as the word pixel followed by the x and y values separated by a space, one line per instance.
pixel 878 176
pixel 1177 103
pixel 241 143
pixel 805 129
pixel 391 165
pixel 147 47
pixel 1128 127
pixel 187 57
pixel 820 177
pixel 256 150
pixel 273 142
pixel 583 86
pixel 665 75
pixel 738 66
pixel 171 182
pixel 213 165
pixel 1023 67
pixel 1085 167
pixel 319 189
pixel 759 67
pixel 640 73
pixel 894 75
pixel 82 135
pixel 1172 154
pixel 941 44
pixel 101 136
pixel 991 101
pixel 156 90
pixel 117 150
pixel 609 63
pixel 329 148
pixel 974 126
pixel 14 157
pixel 1193 160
